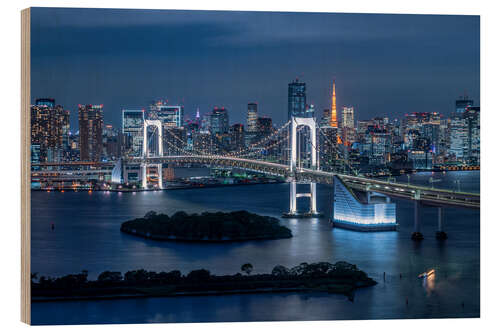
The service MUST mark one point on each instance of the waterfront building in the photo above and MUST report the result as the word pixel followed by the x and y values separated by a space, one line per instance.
pixel 132 130
pixel 296 99
pixel 90 122
pixel 49 127
pixel 252 117
pixel 369 211
pixel 420 159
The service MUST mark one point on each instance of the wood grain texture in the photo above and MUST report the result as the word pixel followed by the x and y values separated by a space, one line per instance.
pixel 25 168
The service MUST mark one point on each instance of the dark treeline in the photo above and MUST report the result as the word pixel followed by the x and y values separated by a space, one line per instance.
pixel 341 277
pixel 233 226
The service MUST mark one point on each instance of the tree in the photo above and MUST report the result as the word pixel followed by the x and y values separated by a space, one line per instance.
pixel 247 268
pixel 149 215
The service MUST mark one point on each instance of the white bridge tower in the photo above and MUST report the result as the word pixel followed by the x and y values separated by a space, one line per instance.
pixel 156 123
pixel 295 167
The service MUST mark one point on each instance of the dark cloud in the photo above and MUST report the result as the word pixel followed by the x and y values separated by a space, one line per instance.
pixel 383 64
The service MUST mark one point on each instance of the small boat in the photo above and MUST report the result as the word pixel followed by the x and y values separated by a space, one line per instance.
pixel 426 274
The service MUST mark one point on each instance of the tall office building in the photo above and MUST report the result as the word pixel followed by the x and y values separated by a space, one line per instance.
pixel 325 118
pixel 219 121
pixel 348 131
pixel 459 130
pixel 132 130
pixel 264 126
pixel 90 122
pixel 296 99
pixel 49 129
pixel 333 114
pixel 472 123
pixel 237 132
pixel 252 117
pixel 170 115
pixel 348 117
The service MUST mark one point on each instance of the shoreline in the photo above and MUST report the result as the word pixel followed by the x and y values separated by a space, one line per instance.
pixel 339 291
pixel 189 240
pixel 173 188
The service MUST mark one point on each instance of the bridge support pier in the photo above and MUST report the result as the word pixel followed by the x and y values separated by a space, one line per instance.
pixel 440 234
pixel 144 175
pixel 416 235
pixel 293 198
pixel 293 213
pixel 313 210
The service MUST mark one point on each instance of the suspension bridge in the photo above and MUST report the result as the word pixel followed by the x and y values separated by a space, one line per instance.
pixel 294 151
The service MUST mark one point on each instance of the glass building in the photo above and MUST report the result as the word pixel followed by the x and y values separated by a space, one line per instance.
pixel 132 130
pixel 369 211
pixel 90 122
pixel 252 117
pixel 296 99
pixel 219 121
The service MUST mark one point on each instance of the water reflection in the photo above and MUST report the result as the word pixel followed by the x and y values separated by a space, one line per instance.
pixel 87 236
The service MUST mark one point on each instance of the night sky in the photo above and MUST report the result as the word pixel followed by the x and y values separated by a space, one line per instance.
pixel 383 65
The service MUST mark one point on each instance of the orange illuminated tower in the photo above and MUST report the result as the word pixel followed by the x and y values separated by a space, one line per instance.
pixel 333 118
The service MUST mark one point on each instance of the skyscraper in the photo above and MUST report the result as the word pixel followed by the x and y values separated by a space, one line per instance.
pixel 219 121
pixel 459 130
pixel 170 115
pixel 252 117
pixel 264 126
pixel 49 129
pixel 348 117
pixel 132 130
pixel 90 123
pixel 333 120
pixel 237 136
pixel 347 126
pixel 296 99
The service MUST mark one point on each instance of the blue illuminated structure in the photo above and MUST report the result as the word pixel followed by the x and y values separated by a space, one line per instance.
pixel 361 211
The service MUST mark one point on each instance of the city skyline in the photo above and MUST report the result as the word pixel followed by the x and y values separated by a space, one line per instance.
pixel 231 51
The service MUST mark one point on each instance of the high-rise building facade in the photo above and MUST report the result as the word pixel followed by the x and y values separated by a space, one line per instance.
pixel 90 122
pixel 219 121
pixel 170 115
pixel 264 126
pixel 348 132
pixel 296 99
pixel 132 130
pixel 49 129
pixel 472 122
pixel 252 116
pixel 348 117
pixel 237 132
pixel 459 130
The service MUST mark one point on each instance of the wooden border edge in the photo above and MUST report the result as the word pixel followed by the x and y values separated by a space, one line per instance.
pixel 25 167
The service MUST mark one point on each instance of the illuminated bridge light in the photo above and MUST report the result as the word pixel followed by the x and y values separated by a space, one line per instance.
pixel 362 211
